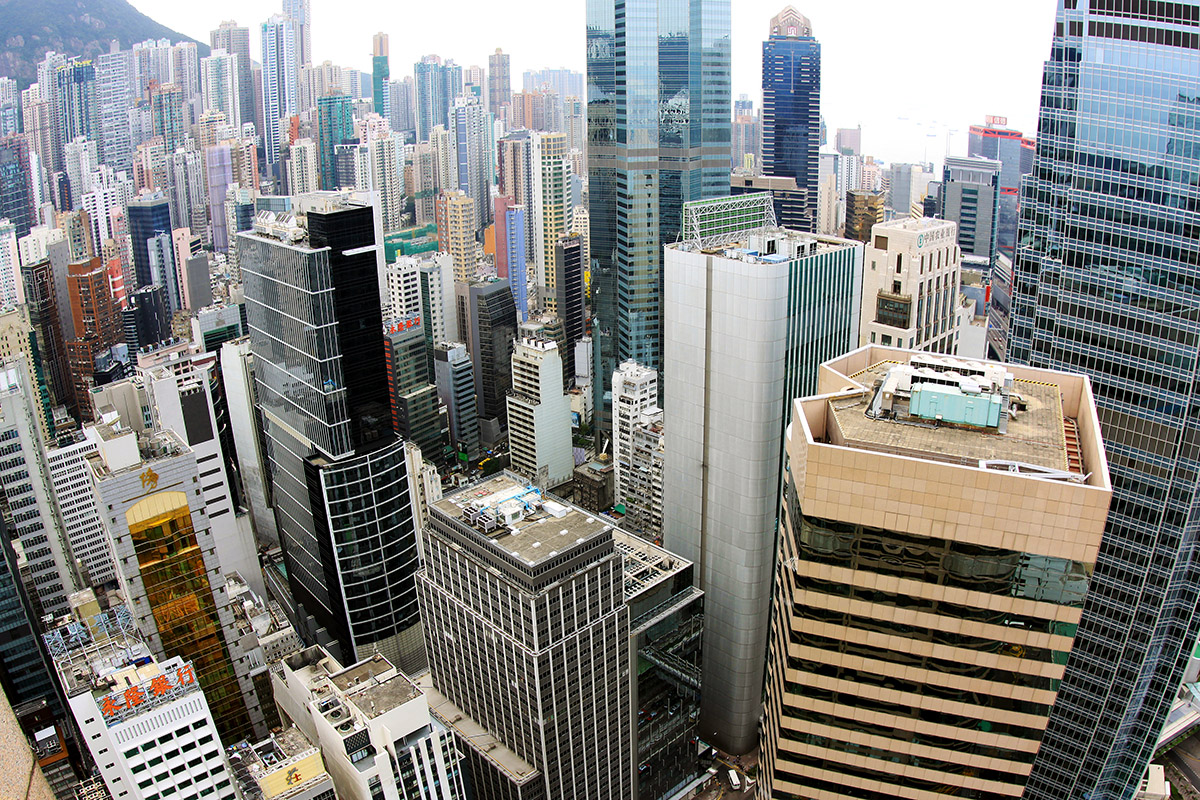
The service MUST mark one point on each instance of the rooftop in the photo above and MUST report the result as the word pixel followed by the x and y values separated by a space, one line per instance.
pixel 475 735
pixel 372 687
pixel 645 564
pixel 516 519
pixel 770 245
pixel 253 764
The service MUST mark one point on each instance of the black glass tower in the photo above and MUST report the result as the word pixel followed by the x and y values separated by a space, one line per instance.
pixel 791 121
pixel 1106 283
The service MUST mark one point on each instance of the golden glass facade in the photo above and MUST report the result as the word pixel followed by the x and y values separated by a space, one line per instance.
pixel 177 588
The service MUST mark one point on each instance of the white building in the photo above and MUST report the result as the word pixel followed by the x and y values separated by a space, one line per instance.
pixel 749 315
pixel 637 448
pixel 219 85
pixel 12 289
pixel 145 721
pixel 72 483
pixel 237 373
pixel 910 287
pixel 386 176
pixel 373 726
pixel 402 292
pixel 437 297
pixel 539 414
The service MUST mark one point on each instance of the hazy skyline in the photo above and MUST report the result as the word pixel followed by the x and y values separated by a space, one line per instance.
pixel 915 76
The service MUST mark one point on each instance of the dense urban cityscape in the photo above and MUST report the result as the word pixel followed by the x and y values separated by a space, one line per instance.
pixel 441 432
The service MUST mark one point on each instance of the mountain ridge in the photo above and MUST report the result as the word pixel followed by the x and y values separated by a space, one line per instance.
pixel 84 28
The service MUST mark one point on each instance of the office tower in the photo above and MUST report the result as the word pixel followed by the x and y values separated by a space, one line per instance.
pixel 539 414
pixel 970 196
pixel 237 375
pixel 491 325
pixel 96 322
pixel 393 747
pixel 455 214
pixel 638 449
pixel 219 86
pixel 16 190
pixel 643 164
pixel 163 272
pixel 145 719
pixel 499 93
pixel 906 187
pixel 864 210
pixel 339 440
pixel 950 657
pixel 770 310
pixel 510 252
pixel 301 12
pixel 455 382
pixel 380 74
pixel 848 141
pixel 570 297
pixel 414 399
pixel 235 41
pixel 474 147
pixel 910 286
pixel 790 201
pixel 551 208
pixel 41 304
pixel 149 216
pixel 1015 152
pixel 335 126
pixel 28 492
pixel 520 686
pixel 791 85
pixel 1071 312
pixel 280 80
pixel 145 318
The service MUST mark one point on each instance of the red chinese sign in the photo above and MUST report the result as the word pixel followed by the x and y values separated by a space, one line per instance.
pixel 148 693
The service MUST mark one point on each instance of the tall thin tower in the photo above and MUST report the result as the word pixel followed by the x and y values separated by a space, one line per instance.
pixel 1105 285
pixel 658 129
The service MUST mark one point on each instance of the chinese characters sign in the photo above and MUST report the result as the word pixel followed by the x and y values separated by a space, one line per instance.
pixel 159 689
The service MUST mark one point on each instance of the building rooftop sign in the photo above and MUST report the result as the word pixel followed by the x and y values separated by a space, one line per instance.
pixel 721 221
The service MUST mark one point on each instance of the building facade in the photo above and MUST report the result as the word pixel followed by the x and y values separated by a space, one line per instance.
pixel 791 113
pixel 970 197
pixel 539 414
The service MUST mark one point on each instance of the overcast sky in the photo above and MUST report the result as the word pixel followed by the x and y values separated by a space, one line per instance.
pixel 914 74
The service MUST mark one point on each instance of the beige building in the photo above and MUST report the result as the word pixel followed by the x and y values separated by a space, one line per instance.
pixel 941 519
pixel 456 232
pixel 911 281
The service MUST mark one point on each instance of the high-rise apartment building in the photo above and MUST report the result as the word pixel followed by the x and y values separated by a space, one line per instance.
pixel 455 216
pixel 539 414
pixel 303 171
pixel 910 285
pixel 499 84
pixel 219 86
pixel 791 117
pixel 475 148
pixel 970 197
pixel 750 315
pixel 657 137
pixel 280 80
pixel 530 590
pixel 301 12
pixel 437 86
pixel 1103 266
pixel 149 726
pixel 335 126
pixel 236 41
pixel 550 173
pixel 456 389
pixel 96 321
pixel 1015 152
pixel 115 93
pixel 321 380
pixel 864 209
pixel 940 522
pixel 637 445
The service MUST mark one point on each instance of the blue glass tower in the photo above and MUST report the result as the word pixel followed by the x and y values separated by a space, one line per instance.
pixel 658 136
pixel 791 121
pixel 335 126
pixel 514 244
pixel 149 216
pixel 1106 283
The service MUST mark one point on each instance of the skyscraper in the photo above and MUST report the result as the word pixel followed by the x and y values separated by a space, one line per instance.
pixel 280 80
pixel 491 326
pixel 791 118
pixel 1015 152
pixel 16 190
pixel 658 131
pixel 380 74
pixel 456 390
pixel 539 414
pixel 475 151
pixel 219 86
pixel 970 197
pixel 1105 258
pixel 77 110
pixel 744 337
pixel 536 611
pixel 914 652
pixel 499 84
pixel 149 216
pixel 323 393
pixel 301 12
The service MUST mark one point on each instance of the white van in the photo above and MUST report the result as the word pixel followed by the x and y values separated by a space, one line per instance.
pixel 735 782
